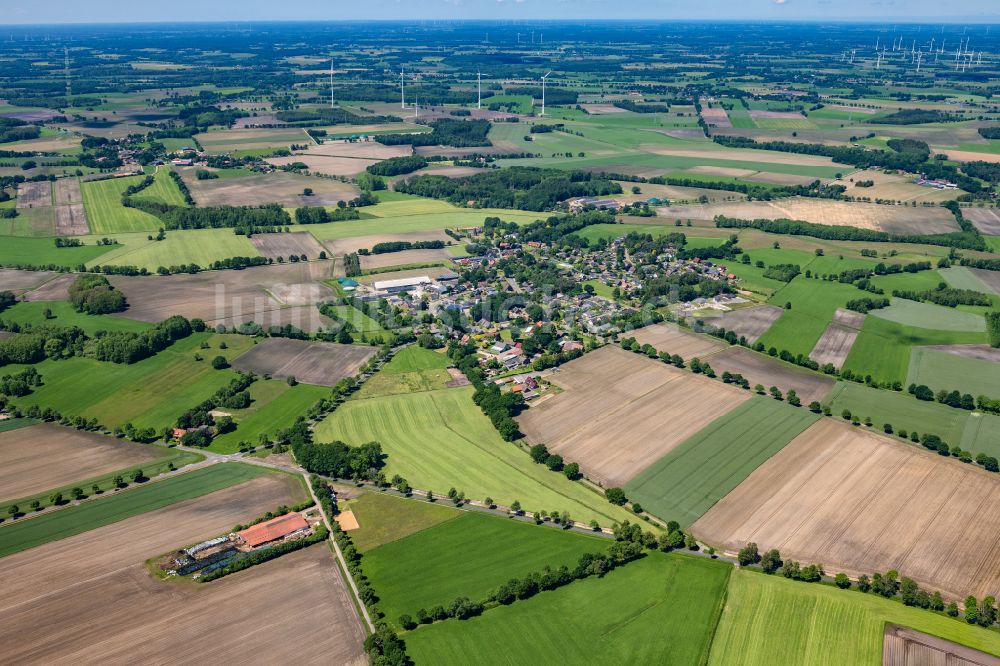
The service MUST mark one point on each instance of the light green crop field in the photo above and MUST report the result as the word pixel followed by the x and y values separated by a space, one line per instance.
pixel 150 393
pixel 30 222
pixel 469 556
pixel 961 277
pixel 63 314
pixel 384 518
pixel 189 246
pixel 274 408
pixel 411 370
pixel 163 189
pixel 440 439
pixel 356 318
pixel 611 620
pixel 941 370
pixel 688 481
pixel 84 517
pixel 102 200
pixel 400 223
pixel 773 620
pixel 43 252
pixel 813 304
pixel 976 433
pixel 929 315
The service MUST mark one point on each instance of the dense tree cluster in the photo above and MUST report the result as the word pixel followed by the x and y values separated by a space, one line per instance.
pixel 12 129
pixel 400 246
pixel 330 116
pixel 7 299
pixel 914 117
pixel 397 166
pixel 640 107
pixel 783 272
pixel 20 383
pixel 993 328
pixel 129 346
pixel 866 305
pixel 337 460
pixel 94 295
pixel 445 132
pixel 34 343
pixel 946 296
pixel 245 219
pixel 320 215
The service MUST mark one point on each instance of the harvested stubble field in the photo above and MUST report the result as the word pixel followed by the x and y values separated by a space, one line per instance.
pixel 97 580
pixel 13 279
pixel 71 220
pixel 320 363
pixel 265 294
pixel 46 456
pixel 892 219
pixel 763 157
pixel 67 191
pixel 675 340
pixel 714 116
pixel 404 258
pixel 326 164
pixel 222 141
pixel 905 647
pixel 34 195
pixel 348 245
pixel 990 278
pixel 761 369
pixel 987 220
pixel 838 338
pixel 259 189
pixel 750 323
pixel 893 187
pixel 620 412
pixel 285 245
pixel 859 502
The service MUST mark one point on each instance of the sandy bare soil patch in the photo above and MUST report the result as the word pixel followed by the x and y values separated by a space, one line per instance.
pixel 675 340
pixel 714 116
pixel 40 457
pixel 368 150
pixel 761 369
pixel 285 245
pixel 967 155
pixel 834 345
pixel 987 220
pixel 448 151
pixel 71 220
pixel 12 279
pixel 848 318
pixel 403 258
pixel 355 243
pixel 262 294
pixel 892 187
pixel 750 323
pixel 859 502
pixel 601 109
pixel 450 171
pixel 976 352
pixel 990 278
pixel 893 219
pixel 620 412
pixel 283 188
pixel 674 193
pixel 89 599
pixel 743 155
pixel 730 172
pixel 905 647
pixel 320 363
pixel 67 191
pixel 325 164
pixel 34 195
pixel 56 289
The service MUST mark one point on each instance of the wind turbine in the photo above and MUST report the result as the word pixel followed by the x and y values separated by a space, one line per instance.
pixel 331 84
pixel 543 93
pixel 402 97
pixel 479 86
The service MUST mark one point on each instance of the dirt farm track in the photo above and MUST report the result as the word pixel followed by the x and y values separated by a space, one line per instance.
pixel 859 502
pixel 89 599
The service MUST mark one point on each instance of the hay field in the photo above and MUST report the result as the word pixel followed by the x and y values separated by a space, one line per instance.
pixel 320 363
pixel 59 596
pixel 675 340
pixel 264 188
pixel 892 219
pixel 859 502
pixel 404 258
pixel 285 245
pixel 326 164
pixel 987 220
pixel 46 456
pixel 619 412
pixel 761 369
pixel 893 187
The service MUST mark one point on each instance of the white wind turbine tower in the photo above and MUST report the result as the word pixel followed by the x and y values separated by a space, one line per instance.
pixel 543 93
pixel 402 97
pixel 331 84
pixel 479 86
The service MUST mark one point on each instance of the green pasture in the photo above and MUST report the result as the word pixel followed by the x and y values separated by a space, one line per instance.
pixel 469 556
pixel 961 277
pixel 275 407
pixel 403 222
pixel 43 252
pixel 30 222
pixel 163 190
pixel 773 620
pixel 941 370
pixel 412 370
pixel 63 314
pixel 385 518
pixel 440 439
pixel 188 246
pixel 610 620
pixel 102 201
pixel 32 532
pixel 684 484
pixel 931 316
pixel 814 303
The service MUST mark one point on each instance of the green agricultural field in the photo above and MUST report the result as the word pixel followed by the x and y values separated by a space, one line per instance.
pixel 32 532
pixel 102 200
pixel 689 480
pixel 941 370
pixel 813 304
pixel 674 598
pixel 470 556
pixel 384 518
pixel 150 393
pixel 43 252
pixel 773 620
pixel 356 318
pixel 63 314
pixel 163 189
pixel 440 439
pixel 882 349
pixel 411 370
pixel 190 246
pixel 396 222
pixel 30 222
pixel 275 407
pixel 14 424
pixel 961 277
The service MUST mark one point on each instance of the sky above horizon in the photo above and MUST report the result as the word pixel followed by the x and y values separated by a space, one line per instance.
pixel 116 11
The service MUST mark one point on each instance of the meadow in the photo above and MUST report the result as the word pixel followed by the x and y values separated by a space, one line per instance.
pixel 411 370
pixel 609 620
pixel 32 532
pixel 43 252
pixel 275 406
pixel 163 189
pixel 686 482
pixel 469 556
pixel 813 304
pixel 62 313
pixel 439 439
pixel 385 518
pixel 772 620
pixel 102 199
pixel 190 246
pixel 943 370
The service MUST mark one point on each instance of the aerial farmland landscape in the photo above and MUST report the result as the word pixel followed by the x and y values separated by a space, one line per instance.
pixel 428 333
